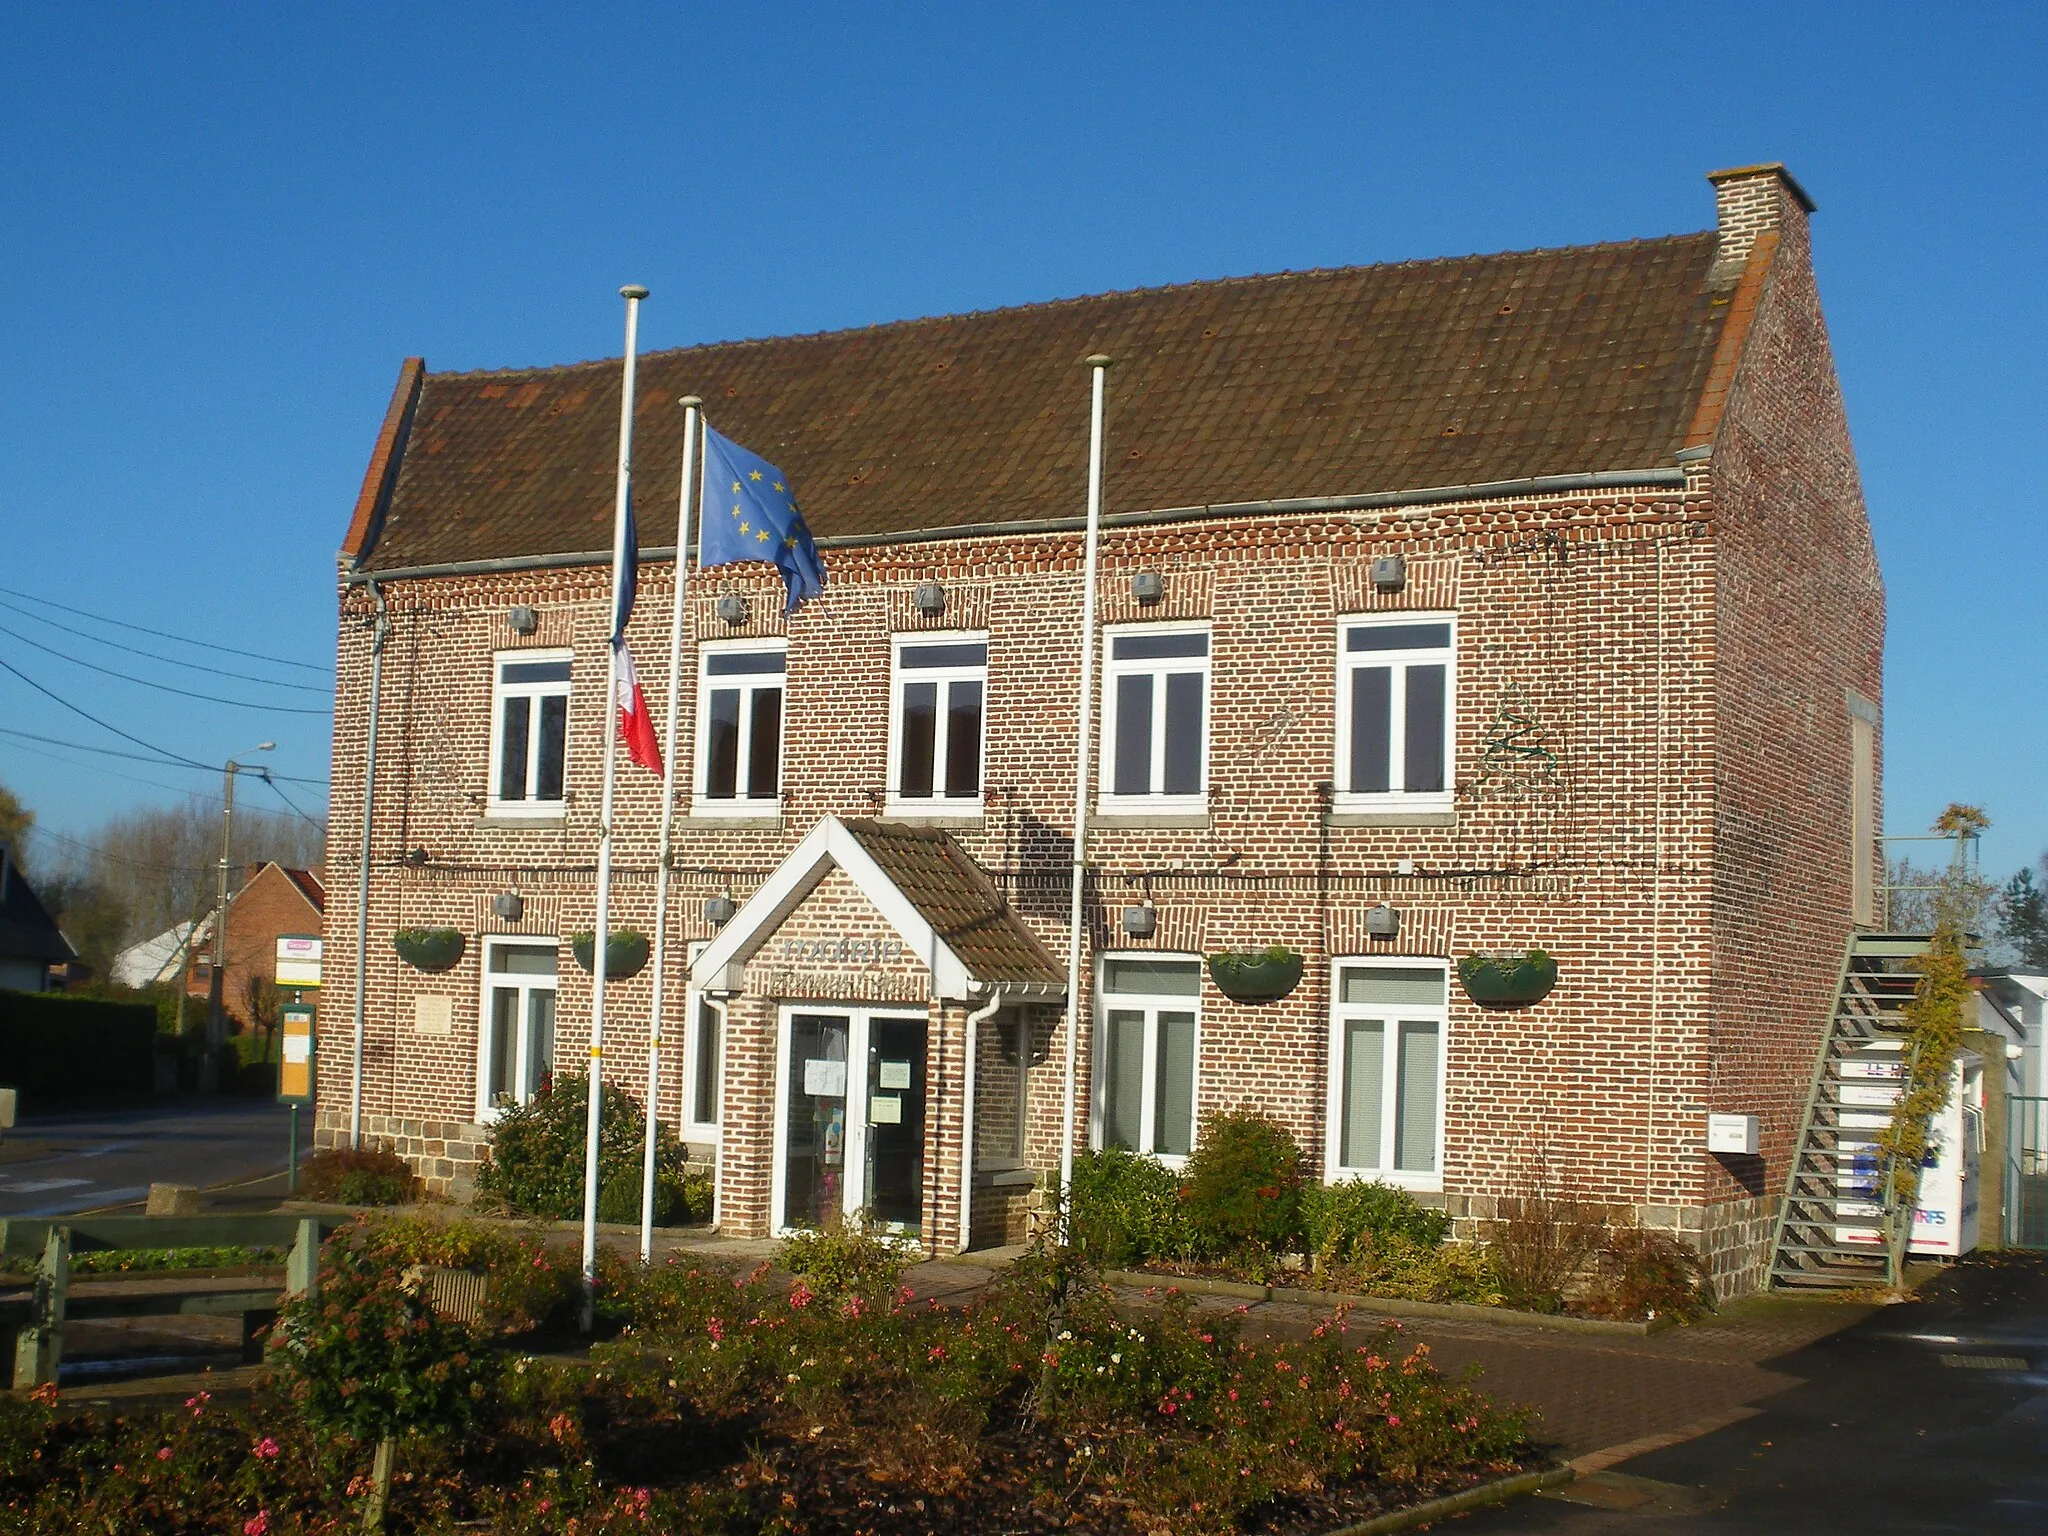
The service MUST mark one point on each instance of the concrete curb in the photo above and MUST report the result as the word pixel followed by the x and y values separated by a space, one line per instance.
pixel 1497 1492
pixel 1388 1306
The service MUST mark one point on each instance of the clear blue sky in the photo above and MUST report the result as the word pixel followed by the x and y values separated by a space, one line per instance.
pixel 225 225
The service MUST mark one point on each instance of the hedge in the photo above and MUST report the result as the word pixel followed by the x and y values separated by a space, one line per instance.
pixel 61 1050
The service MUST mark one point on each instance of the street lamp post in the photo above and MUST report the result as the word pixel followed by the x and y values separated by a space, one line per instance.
pixel 216 999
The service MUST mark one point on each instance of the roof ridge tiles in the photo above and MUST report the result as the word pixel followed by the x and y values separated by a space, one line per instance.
pixel 1068 301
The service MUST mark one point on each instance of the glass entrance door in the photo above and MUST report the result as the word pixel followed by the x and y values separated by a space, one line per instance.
pixel 814 1125
pixel 895 1128
pixel 852 1128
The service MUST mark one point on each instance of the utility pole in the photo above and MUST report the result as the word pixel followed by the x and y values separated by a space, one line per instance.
pixel 216 1009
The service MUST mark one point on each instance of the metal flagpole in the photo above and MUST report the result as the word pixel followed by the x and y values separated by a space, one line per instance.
pixel 690 405
pixel 1098 366
pixel 632 294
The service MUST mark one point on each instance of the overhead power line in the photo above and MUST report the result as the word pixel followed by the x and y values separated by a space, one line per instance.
pixel 164 634
pixel 185 693
pixel 51 693
pixel 100 768
pixel 169 661
pixel 271 781
pixel 137 757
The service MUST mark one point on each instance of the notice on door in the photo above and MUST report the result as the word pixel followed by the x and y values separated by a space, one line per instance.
pixel 825 1079
pixel 885 1109
pixel 895 1074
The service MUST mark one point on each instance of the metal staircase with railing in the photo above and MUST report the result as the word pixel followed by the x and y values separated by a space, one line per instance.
pixel 1836 1227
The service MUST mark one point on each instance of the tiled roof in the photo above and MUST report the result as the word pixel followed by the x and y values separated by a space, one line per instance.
pixel 959 901
pixel 1330 383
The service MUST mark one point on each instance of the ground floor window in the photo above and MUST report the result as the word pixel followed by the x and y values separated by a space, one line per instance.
pixel 705 1064
pixel 1148 1013
pixel 1387 1031
pixel 516 1043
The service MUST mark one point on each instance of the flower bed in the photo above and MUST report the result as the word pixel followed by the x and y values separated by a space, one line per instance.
pixel 748 1406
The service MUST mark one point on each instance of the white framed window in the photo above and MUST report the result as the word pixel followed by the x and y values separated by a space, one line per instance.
pixel 1155 727
pixel 1385 1117
pixel 703 1068
pixel 1396 711
pixel 739 727
pixel 529 732
pixel 1148 1022
pixel 516 1038
pixel 935 726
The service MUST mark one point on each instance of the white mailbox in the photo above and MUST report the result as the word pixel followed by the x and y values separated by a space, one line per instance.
pixel 1733 1134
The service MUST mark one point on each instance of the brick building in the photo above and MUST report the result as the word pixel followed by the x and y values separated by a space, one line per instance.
pixel 1447 607
pixel 274 902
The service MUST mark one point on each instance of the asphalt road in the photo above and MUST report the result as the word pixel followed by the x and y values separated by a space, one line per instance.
pixel 65 1164
pixel 1929 1416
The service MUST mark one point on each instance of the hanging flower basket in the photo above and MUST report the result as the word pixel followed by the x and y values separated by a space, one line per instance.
pixel 1508 981
pixel 429 949
pixel 625 952
pixel 1256 976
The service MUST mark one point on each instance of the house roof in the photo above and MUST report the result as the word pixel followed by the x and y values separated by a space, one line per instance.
pixel 1353 381
pixel 27 931
pixel 309 884
pixel 960 902
pixel 153 959
pixel 924 885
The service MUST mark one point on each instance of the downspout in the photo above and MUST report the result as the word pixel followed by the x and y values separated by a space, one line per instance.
pixel 974 1020
pixel 382 628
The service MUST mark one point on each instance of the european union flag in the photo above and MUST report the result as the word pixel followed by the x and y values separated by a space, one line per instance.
pixel 749 513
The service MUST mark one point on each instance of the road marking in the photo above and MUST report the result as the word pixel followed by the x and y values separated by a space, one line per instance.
pixel 1985 1362
pixel 39 1186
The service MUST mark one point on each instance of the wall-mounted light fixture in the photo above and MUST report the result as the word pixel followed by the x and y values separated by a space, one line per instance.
pixel 414 856
pixel 732 608
pixel 718 911
pixel 1389 573
pixel 1382 922
pixel 524 620
pixel 931 599
pixel 1148 586
pixel 509 905
pixel 1141 922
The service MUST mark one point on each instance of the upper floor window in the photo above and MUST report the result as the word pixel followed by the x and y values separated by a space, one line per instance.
pixel 1387 1029
pixel 1155 719
pixel 529 732
pixel 739 727
pixel 935 743
pixel 1396 707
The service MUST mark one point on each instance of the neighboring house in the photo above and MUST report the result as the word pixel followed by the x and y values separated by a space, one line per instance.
pixel 1483 604
pixel 2013 1001
pixel 274 902
pixel 30 943
pixel 161 958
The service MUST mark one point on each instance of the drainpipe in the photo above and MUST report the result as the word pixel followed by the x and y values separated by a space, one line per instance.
pixel 974 1020
pixel 380 632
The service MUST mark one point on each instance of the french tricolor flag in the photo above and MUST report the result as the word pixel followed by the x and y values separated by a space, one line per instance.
pixel 636 721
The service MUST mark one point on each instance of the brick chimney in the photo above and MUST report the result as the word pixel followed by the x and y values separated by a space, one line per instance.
pixel 1749 200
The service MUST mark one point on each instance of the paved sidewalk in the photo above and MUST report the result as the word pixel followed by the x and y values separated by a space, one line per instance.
pixel 1928 1416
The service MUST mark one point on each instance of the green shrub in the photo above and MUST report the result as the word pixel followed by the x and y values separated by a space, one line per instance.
pixel 1400 1267
pixel 1337 1218
pixel 851 1258
pixel 1125 1209
pixel 367 1175
pixel 1640 1275
pixel 59 1049
pixel 367 1356
pixel 1244 1184
pixel 534 1165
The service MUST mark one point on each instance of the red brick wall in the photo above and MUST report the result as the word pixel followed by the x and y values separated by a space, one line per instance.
pixel 1605 615
pixel 1800 619
pixel 267 907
